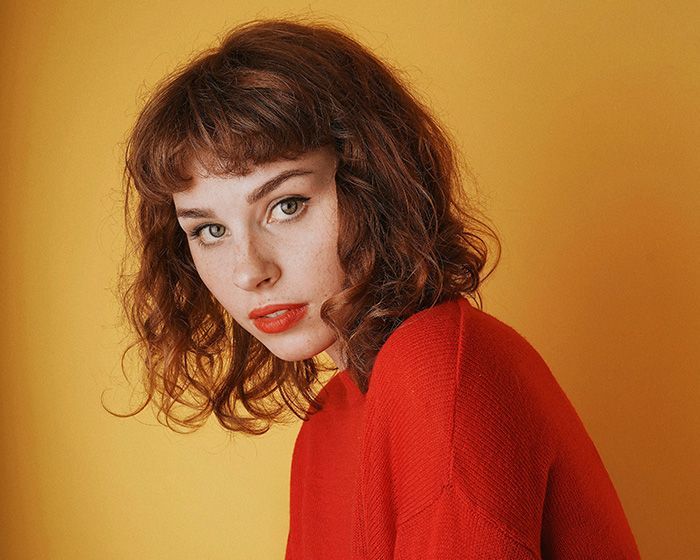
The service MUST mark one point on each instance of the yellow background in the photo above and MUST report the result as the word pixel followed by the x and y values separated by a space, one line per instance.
pixel 582 123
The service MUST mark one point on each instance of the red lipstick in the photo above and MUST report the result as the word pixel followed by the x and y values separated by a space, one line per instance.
pixel 291 314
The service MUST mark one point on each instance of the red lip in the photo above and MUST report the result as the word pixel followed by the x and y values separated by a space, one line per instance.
pixel 272 325
pixel 260 311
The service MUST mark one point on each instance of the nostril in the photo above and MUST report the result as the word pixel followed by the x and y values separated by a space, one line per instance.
pixel 256 274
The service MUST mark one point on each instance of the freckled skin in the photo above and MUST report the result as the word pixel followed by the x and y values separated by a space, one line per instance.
pixel 266 253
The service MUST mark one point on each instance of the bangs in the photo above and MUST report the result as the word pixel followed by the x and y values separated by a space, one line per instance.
pixel 223 123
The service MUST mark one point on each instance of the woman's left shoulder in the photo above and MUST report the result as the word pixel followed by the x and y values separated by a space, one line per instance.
pixel 450 393
pixel 455 336
pixel 413 380
pixel 429 338
pixel 454 358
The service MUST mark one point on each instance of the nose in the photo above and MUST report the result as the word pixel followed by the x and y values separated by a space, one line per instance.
pixel 254 265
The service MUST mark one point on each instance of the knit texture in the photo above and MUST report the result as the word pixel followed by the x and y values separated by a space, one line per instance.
pixel 465 446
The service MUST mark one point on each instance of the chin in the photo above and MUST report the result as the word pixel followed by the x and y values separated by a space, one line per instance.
pixel 291 355
pixel 303 350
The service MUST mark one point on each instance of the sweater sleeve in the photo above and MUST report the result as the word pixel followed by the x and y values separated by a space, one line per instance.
pixel 452 528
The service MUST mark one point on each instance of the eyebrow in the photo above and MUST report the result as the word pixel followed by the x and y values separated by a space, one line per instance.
pixel 261 192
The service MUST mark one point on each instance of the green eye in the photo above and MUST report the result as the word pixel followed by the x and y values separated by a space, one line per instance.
pixel 216 230
pixel 289 206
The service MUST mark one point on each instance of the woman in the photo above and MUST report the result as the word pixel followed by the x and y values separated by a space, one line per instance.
pixel 293 197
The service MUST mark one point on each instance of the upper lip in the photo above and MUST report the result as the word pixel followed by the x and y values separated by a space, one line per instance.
pixel 260 311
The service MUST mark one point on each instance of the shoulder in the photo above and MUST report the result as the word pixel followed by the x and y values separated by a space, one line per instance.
pixel 453 347
pixel 413 381
pixel 428 330
pixel 425 343
pixel 459 397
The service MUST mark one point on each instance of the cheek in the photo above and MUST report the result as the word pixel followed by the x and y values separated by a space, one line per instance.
pixel 327 263
pixel 200 266
pixel 211 273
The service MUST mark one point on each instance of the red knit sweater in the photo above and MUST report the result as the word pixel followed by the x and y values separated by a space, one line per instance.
pixel 465 446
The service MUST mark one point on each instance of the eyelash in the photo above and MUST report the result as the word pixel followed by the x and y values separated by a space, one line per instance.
pixel 197 232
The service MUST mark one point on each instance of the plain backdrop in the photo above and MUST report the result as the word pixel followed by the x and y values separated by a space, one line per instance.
pixel 581 122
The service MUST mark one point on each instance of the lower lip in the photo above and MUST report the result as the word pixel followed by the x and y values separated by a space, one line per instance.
pixel 287 320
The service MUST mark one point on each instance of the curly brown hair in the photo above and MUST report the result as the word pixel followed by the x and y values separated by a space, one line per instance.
pixel 408 237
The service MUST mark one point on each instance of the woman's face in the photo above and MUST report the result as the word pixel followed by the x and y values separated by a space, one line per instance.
pixel 270 238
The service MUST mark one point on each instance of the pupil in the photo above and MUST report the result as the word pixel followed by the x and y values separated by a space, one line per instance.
pixel 289 205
